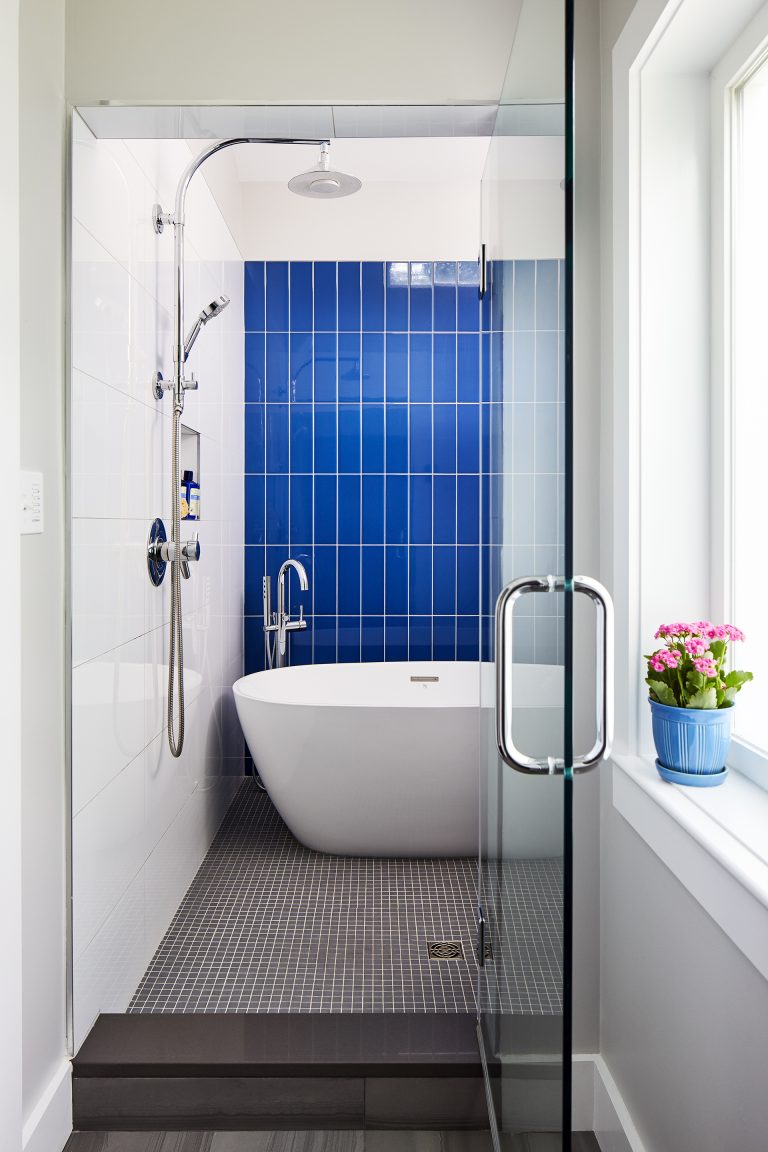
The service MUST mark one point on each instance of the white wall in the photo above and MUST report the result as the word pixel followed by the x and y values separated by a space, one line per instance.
pixel 10 590
pixel 142 820
pixel 46 1107
pixel 420 197
pixel 246 53
pixel 684 1013
pixel 382 221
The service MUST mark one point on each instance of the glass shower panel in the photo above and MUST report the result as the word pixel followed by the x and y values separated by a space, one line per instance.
pixel 525 754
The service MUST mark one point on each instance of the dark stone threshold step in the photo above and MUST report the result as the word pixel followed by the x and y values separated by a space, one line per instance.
pixel 282 1045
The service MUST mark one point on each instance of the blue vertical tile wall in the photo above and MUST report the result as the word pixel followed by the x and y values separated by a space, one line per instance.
pixel 363 455
pixel 522 464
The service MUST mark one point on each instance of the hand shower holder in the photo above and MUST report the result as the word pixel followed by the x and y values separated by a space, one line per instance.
pixel 160 218
pixel 160 386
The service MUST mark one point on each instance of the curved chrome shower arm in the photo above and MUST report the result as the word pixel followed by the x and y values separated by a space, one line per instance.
pixel 192 167
pixel 177 220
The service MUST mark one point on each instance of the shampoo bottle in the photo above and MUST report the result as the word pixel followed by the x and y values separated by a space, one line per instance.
pixel 193 496
pixel 184 495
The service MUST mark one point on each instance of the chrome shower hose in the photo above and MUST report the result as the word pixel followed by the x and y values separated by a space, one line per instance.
pixel 176 641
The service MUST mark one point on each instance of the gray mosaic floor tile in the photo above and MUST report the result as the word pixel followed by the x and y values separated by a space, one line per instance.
pixel 268 925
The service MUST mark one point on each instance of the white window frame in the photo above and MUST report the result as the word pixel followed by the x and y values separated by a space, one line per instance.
pixel 712 840
pixel 747 53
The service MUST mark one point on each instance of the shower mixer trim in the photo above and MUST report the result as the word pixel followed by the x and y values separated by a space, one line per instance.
pixel 176 552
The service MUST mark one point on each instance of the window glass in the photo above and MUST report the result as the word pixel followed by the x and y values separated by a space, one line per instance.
pixel 749 444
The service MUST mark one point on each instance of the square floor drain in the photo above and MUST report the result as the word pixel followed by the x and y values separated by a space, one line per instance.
pixel 445 950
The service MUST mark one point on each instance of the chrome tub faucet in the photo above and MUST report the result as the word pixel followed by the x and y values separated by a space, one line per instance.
pixel 280 622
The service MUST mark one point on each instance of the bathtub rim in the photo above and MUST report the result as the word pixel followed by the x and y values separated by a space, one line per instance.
pixel 482 674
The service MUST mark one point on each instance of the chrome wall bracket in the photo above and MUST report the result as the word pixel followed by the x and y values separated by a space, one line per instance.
pixel 160 386
pixel 156 565
pixel 160 218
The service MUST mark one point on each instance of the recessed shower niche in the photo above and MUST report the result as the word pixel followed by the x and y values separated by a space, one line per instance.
pixel 189 458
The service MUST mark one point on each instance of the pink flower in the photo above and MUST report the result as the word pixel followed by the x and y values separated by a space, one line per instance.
pixel 717 632
pixel 706 666
pixel 701 627
pixel 667 630
pixel 734 633
pixel 695 646
pixel 664 658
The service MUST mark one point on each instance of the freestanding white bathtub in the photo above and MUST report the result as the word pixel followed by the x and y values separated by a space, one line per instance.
pixel 369 759
pixel 372 759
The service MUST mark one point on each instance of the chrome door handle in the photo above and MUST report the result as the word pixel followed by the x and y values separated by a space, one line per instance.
pixel 601 749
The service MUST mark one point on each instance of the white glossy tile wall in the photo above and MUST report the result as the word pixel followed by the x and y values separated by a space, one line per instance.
pixel 142 820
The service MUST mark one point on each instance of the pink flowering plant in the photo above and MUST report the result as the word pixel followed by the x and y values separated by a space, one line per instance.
pixel 689 671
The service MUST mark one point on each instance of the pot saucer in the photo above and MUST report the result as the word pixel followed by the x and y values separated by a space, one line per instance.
pixel 692 779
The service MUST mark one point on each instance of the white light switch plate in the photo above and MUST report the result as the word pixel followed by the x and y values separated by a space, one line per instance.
pixel 31 502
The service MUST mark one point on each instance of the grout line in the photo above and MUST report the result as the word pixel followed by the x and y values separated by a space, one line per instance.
pixel 427 643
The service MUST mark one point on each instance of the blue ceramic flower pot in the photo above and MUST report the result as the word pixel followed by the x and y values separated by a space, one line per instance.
pixel 692 742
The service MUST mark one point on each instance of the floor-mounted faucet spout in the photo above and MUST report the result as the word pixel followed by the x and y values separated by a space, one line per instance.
pixel 280 622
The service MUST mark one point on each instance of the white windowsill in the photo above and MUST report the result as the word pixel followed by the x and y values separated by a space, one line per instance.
pixel 715 841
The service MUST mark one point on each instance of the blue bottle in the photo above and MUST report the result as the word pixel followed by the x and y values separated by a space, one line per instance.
pixel 190 497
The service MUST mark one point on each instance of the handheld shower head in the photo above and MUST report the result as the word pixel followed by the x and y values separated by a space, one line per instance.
pixel 211 310
pixel 214 308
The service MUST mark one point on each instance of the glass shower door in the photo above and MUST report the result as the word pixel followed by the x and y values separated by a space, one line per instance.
pixel 527 762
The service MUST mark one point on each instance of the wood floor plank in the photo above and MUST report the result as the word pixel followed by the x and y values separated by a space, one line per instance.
pixel 415 1141
pixel 466 1142
pixel 350 1141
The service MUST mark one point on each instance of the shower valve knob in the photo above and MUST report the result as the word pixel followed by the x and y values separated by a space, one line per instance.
pixel 191 550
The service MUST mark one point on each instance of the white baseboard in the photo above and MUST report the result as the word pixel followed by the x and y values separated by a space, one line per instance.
pixel 598 1106
pixel 50 1124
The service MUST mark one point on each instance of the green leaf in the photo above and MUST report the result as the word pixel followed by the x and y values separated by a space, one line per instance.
pixel 695 681
pixel 718 648
pixel 737 679
pixel 706 698
pixel 662 692
pixel 728 698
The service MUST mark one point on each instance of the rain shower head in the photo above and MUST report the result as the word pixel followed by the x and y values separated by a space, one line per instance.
pixel 322 182
pixel 211 310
